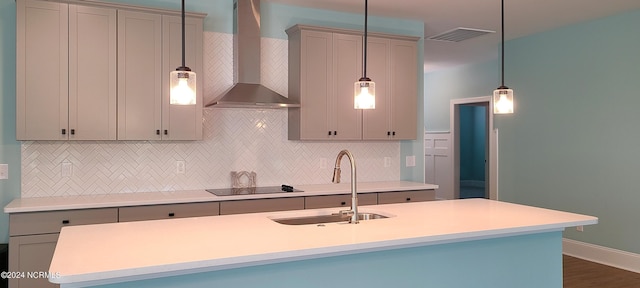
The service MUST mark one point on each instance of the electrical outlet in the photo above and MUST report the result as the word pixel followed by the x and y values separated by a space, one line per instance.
pixel 4 171
pixel 323 163
pixel 180 167
pixel 387 162
pixel 580 228
pixel 410 161
pixel 66 169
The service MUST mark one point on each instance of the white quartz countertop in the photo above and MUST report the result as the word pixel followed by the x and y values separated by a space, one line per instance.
pixel 117 252
pixel 190 196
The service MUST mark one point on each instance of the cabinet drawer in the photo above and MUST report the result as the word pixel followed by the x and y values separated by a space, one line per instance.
pixel 261 205
pixel 406 196
pixel 154 212
pixel 327 201
pixel 51 222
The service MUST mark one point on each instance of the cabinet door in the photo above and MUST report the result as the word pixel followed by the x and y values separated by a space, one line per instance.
pixel 347 62
pixel 404 90
pixel 154 212
pixel 139 76
pixel 261 205
pixel 316 82
pixel 42 70
pixel 92 73
pixel 31 254
pixel 375 123
pixel 181 122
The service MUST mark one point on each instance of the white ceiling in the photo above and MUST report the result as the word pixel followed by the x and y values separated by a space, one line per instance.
pixel 522 17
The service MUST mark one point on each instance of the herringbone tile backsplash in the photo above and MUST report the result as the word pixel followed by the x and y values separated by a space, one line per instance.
pixel 234 140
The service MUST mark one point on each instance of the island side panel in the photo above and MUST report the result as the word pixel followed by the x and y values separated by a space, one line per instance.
pixel 533 260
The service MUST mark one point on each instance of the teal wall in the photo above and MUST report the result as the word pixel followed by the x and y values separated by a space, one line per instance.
pixel 572 143
pixel 472 142
pixel 275 19
pixel 9 147
pixel 527 261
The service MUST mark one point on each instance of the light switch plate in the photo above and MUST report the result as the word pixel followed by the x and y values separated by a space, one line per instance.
pixel 4 171
pixel 387 162
pixel 180 167
pixel 66 169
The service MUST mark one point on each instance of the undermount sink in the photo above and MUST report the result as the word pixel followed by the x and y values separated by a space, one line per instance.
pixel 321 219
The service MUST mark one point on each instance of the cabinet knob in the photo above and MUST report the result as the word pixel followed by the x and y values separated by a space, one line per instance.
pixel 335 133
pixel 64 131
pixel 388 133
pixel 394 133
pixel 65 222
pixel 408 199
pixel 172 214
pixel 158 132
pixel 73 131
pixel 329 133
pixel 166 132
pixel 343 203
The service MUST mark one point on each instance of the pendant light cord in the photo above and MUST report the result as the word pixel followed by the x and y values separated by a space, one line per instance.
pixel 502 43
pixel 364 65
pixel 183 37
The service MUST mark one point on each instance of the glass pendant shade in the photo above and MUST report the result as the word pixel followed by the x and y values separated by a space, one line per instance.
pixel 183 88
pixel 364 94
pixel 503 101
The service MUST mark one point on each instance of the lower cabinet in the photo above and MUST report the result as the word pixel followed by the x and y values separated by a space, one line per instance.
pixel 156 212
pixel 33 235
pixel 261 205
pixel 33 238
pixel 32 253
pixel 343 200
pixel 406 196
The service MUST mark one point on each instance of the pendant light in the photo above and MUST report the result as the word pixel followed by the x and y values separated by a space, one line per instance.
pixel 183 80
pixel 503 96
pixel 365 89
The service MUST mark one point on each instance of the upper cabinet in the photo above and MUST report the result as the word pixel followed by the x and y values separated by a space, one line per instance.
pixel 66 72
pixel 393 68
pixel 101 72
pixel 324 64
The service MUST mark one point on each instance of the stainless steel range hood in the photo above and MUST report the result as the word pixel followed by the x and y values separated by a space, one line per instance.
pixel 248 92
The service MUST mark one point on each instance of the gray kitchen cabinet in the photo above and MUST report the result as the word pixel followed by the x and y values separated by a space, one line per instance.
pixel 149 48
pixel 342 200
pixel 406 196
pixel 65 71
pixel 323 66
pixel 33 237
pixel 261 205
pixel 168 211
pixel 392 66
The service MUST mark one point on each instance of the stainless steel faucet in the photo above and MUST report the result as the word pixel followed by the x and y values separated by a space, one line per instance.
pixel 353 213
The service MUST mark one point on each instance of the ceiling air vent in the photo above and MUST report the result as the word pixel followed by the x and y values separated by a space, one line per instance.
pixel 459 34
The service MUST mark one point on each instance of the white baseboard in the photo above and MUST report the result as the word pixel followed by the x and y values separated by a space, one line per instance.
pixel 603 255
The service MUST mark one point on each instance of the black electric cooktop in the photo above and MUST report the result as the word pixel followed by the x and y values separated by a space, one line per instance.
pixel 253 190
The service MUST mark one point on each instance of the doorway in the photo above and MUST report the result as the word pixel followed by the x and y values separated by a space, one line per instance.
pixel 474 145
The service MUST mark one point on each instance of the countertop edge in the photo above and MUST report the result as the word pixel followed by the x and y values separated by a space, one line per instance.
pixel 56 203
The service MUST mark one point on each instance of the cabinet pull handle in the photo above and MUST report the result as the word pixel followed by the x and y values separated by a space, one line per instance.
pixel 394 133
pixel 388 133
pixel 64 131
pixel 329 133
pixel 408 199
pixel 65 222
pixel 73 131
pixel 172 214
pixel 158 132
pixel 343 203
pixel 166 132
pixel 335 133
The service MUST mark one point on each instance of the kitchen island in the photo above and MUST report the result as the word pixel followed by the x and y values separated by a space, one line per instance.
pixel 456 243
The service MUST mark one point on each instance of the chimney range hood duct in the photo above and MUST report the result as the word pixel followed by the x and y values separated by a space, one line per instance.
pixel 248 92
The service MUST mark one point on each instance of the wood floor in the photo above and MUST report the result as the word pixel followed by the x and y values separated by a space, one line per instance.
pixel 580 273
